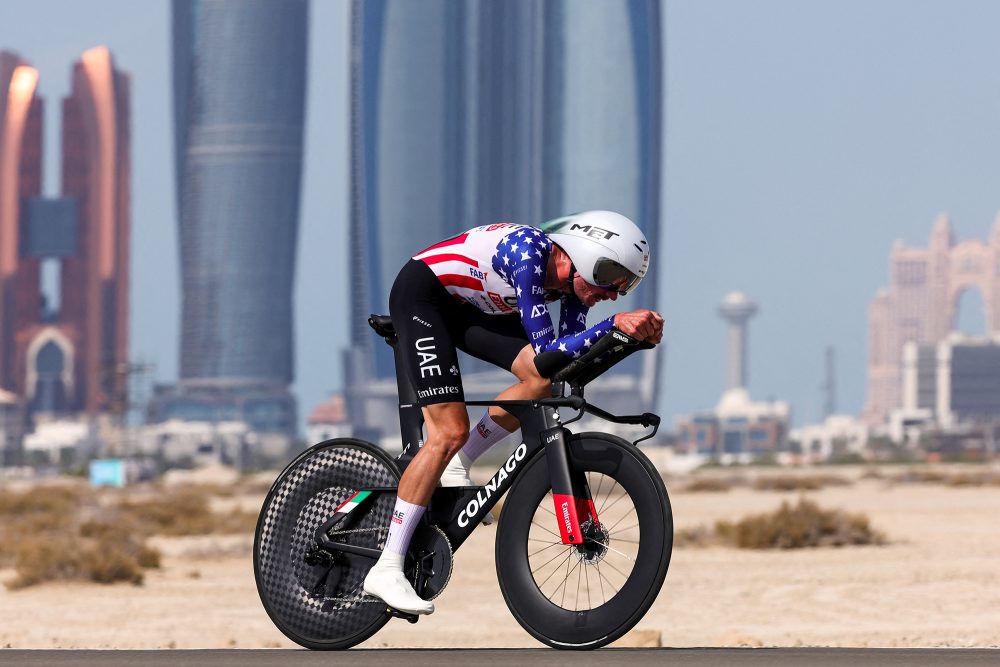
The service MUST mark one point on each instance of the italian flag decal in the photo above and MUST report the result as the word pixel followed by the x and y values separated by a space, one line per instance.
pixel 353 502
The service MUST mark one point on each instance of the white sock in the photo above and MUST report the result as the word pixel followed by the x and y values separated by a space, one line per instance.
pixel 486 434
pixel 405 519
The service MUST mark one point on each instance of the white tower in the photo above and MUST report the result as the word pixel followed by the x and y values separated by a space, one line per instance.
pixel 736 309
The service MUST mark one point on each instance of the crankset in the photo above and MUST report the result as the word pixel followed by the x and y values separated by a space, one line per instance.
pixel 429 561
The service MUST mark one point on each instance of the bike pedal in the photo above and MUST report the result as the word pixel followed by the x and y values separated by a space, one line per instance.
pixel 395 613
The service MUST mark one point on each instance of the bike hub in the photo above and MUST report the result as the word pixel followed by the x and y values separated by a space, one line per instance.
pixel 595 543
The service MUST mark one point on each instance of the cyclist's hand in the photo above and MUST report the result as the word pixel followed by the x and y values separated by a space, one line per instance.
pixel 644 325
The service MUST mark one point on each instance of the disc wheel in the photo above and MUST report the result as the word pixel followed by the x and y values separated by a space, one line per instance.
pixel 586 596
pixel 314 597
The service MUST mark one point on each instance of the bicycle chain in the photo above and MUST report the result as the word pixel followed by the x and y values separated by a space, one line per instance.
pixel 368 599
pixel 357 530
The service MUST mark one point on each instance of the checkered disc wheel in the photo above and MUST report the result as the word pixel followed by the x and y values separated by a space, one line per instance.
pixel 315 598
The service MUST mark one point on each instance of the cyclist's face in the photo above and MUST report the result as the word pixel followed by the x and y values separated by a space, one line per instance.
pixel 592 294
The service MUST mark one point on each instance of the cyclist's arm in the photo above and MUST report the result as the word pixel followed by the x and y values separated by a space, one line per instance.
pixel 529 286
pixel 573 331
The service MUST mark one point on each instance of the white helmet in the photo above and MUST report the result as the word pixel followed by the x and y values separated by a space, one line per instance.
pixel 607 249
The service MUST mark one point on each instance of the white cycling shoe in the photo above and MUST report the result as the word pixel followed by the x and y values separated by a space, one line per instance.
pixel 390 585
pixel 456 473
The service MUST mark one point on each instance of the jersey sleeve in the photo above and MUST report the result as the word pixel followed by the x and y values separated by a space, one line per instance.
pixel 521 259
pixel 574 336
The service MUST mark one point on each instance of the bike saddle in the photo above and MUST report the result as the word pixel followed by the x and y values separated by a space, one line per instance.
pixel 382 324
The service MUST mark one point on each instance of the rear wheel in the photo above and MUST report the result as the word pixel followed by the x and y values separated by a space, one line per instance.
pixel 586 596
pixel 315 598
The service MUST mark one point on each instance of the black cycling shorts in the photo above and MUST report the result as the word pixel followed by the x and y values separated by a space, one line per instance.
pixel 430 324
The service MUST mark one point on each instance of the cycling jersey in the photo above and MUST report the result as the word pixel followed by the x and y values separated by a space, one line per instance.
pixel 500 269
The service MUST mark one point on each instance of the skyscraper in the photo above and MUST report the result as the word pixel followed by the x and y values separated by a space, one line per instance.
pixel 921 305
pixel 64 261
pixel 467 113
pixel 239 103
pixel 20 178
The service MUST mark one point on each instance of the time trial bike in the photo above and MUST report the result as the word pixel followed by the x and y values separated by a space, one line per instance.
pixel 583 542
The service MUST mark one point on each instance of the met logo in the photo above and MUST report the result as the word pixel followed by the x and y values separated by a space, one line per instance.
pixel 593 232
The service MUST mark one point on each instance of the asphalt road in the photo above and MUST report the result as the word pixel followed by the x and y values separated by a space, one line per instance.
pixel 687 657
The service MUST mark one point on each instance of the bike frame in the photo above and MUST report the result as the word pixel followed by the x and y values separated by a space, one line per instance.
pixel 457 511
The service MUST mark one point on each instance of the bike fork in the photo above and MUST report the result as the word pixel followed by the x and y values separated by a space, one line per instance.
pixel 570 492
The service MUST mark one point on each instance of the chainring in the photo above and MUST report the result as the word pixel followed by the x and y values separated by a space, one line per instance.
pixel 429 559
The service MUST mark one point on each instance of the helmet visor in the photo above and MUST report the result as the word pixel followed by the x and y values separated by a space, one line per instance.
pixel 609 274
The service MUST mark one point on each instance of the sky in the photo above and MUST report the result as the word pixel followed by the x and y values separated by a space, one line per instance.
pixel 802 140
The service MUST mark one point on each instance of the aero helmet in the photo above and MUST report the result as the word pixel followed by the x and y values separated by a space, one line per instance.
pixel 607 249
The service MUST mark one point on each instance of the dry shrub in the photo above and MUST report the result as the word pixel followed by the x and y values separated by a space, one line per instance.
pixel 184 511
pixel 982 478
pixel 920 476
pixel 109 562
pixel 798 482
pixel 41 511
pixel 40 500
pixel 43 558
pixel 947 478
pixel 74 533
pixel 709 485
pixel 55 533
pixel 187 510
pixel 697 536
pixel 798 526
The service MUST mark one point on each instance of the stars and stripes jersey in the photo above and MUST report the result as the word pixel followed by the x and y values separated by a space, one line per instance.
pixel 500 269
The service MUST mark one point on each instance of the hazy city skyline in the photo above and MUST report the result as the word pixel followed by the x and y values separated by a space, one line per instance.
pixel 512 130
pixel 800 142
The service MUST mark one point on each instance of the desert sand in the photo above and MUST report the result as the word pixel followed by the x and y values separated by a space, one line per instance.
pixel 936 583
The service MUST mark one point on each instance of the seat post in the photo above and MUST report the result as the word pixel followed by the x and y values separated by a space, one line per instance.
pixel 411 417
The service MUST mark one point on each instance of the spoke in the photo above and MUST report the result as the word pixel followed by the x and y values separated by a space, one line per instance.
pixel 623 555
pixel 558 567
pixel 586 571
pixel 623 495
pixel 546 563
pixel 609 564
pixel 604 578
pixel 600 510
pixel 563 584
pixel 579 576
pixel 536 539
pixel 600 483
pixel 622 530
pixel 600 582
pixel 619 539
pixel 569 571
pixel 534 523
pixel 554 544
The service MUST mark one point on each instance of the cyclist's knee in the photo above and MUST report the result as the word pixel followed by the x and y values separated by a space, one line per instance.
pixel 448 427
pixel 538 386
pixel 524 369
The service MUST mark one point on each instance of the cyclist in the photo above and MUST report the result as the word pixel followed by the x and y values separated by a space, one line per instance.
pixel 486 292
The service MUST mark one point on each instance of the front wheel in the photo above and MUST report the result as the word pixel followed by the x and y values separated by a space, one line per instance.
pixel 586 596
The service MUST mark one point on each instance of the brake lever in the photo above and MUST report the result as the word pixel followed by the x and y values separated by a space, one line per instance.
pixel 654 421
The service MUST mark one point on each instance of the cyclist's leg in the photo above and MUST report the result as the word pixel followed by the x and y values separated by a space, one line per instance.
pixel 530 385
pixel 447 428
pixel 420 309
pixel 500 340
